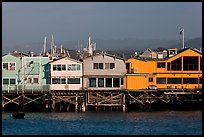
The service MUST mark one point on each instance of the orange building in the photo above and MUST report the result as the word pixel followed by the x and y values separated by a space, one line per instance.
pixel 183 70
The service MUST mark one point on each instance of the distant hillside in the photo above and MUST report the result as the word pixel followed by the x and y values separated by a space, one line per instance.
pixel 116 46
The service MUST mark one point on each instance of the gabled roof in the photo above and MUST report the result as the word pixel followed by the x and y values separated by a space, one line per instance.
pixel 19 54
pixel 164 59
pixel 104 53
pixel 183 50
pixel 63 58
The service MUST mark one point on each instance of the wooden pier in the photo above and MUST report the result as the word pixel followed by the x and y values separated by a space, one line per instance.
pixel 93 100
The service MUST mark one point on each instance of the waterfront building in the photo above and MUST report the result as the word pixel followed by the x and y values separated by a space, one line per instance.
pixel 25 72
pixel 34 73
pixel 10 67
pixel 103 71
pixel 180 71
pixel 66 74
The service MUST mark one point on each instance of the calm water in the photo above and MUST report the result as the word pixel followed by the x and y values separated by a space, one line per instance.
pixel 105 123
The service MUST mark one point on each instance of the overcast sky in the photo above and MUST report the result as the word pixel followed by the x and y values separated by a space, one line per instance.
pixel 30 22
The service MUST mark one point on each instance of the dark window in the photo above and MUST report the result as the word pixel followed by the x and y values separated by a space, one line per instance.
pixel 5 66
pixel 73 80
pixel 150 79
pixel 128 67
pixel 55 80
pixel 200 63
pixel 200 80
pixel 190 63
pixel 100 65
pixel 176 64
pixel 5 81
pixel 95 65
pixel 161 80
pixel 100 82
pixel 112 65
pixel 63 67
pixel 168 66
pixel 108 82
pixel 161 65
pixel 63 80
pixel 35 80
pixel 59 67
pixel 54 67
pixel 116 82
pixel 92 82
pixel 174 80
pixel 121 81
pixel 12 81
pixel 190 80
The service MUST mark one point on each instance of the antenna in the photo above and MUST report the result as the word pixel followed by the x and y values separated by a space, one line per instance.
pixel 44 46
pixel 52 44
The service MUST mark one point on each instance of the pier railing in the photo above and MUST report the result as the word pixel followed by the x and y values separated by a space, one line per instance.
pixel 33 88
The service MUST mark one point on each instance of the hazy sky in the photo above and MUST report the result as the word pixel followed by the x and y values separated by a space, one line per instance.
pixel 24 22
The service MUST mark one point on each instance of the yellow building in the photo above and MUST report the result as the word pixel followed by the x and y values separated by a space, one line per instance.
pixel 183 70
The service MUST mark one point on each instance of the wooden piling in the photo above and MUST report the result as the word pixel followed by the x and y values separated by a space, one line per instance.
pixel 76 103
pixel 123 102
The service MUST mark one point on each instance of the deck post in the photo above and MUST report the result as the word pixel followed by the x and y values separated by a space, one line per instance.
pixel 76 103
pixel 123 102
pixel 84 102
pixel 53 103
pixel 22 101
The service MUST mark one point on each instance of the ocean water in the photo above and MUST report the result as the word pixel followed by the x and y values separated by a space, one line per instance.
pixel 104 123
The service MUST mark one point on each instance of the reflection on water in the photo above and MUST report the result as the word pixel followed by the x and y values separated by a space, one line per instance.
pixel 105 123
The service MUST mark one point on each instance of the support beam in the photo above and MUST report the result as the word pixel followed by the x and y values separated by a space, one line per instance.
pixel 76 103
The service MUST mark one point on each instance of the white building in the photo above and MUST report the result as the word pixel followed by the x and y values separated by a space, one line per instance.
pixel 103 71
pixel 65 74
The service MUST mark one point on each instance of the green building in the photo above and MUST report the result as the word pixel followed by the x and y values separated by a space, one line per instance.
pixel 27 73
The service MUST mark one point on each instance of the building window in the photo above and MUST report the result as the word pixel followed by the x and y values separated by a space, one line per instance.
pixel 150 79
pixel 6 81
pixel 12 66
pixel 98 66
pixel 109 65
pixel 116 82
pixel 176 64
pixel 54 67
pixel 100 82
pixel 63 67
pixel 161 80
pixel 174 80
pixel 5 66
pixel 190 80
pixel 78 67
pixel 73 67
pixel 112 65
pixel 161 65
pixel 73 80
pixel 63 80
pixel 200 63
pixel 121 81
pixel 35 80
pixel 168 66
pixel 190 63
pixel 12 81
pixel 92 82
pixel 200 80
pixel 59 68
pixel 108 82
pixel 55 80
pixel 9 66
